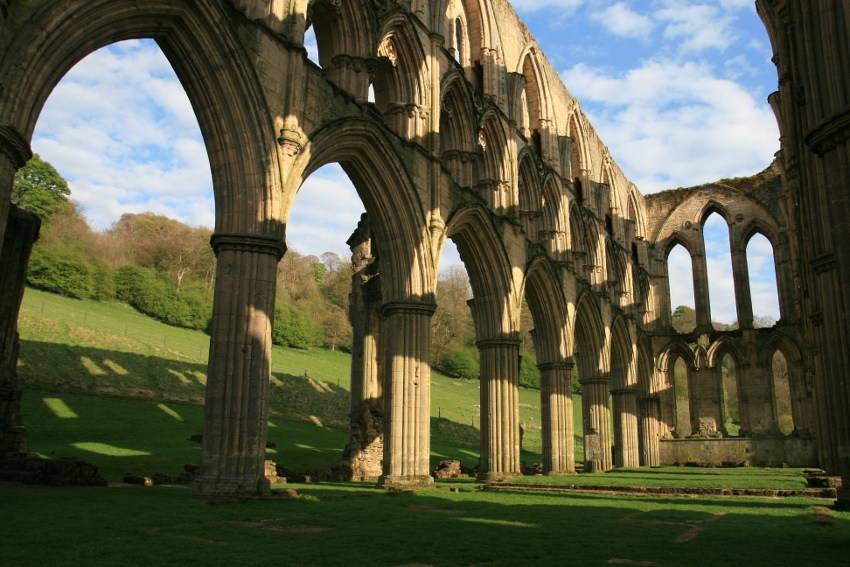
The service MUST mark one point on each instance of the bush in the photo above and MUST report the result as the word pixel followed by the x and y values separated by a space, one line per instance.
pixel 462 363
pixel 103 281
pixel 60 272
pixel 294 328
pixel 529 374
pixel 152 295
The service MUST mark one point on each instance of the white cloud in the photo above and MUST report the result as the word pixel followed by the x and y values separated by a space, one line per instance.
pixel 698 26
pixel 119 127
pixel 672 124
pixel 622 21
pixel 325 213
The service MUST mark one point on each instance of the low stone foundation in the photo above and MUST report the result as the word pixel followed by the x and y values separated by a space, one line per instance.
pixel 29 468
pixel 759 452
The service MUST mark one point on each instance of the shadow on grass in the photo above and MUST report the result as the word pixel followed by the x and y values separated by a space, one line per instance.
pixel 434 527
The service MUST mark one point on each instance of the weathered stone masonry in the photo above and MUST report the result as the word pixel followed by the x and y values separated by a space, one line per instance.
pixel 473 137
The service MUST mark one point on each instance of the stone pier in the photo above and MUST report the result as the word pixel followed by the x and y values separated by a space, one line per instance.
pixel 500 443
pixel 556 410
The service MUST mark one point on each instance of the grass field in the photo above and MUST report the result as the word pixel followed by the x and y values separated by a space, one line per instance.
pixel 114 392
pixel 108 349
pixel 341 524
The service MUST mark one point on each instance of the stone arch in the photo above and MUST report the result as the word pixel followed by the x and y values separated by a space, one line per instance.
pixel 624 396
pixel 487 263
pixel 401 83
pixel 368 157
pixel 536 103
pixel 345 33
pixel 710 207
pixel 554 223
pixel 493 172
pixel 458 129
pixel 589 341
pixel 802 400
pixel 477 16
pixel 530 195
pixel 636 212
pixel 548 307
pixel 622 360
pixel 579 158
pixel 673 351
pixel 723 346
pixel 202 47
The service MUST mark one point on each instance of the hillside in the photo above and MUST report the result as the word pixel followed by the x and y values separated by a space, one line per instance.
pixel 93 352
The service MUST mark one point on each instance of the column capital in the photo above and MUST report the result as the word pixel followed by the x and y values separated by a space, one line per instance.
pixel 595 380
pixel 248 243
pixel 409 307
pixel 14 145
pixel 624 391
pixel 561 365
pixel 497 342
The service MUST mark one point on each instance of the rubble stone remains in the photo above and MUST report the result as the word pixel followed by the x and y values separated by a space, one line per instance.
pixel 473 137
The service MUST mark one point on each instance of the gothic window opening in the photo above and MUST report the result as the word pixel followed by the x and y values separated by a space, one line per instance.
pixel 718 258
pixel 731 404
pixel 681 284
pixel 763 289
pixel 782 394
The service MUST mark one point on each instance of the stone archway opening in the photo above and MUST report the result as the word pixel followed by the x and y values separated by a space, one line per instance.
pixel 731 396
pixel 763 289
pixel 682 303
pixel 121 129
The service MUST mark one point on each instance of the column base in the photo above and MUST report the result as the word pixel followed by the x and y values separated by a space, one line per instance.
pixel 842 504
pixel 228 488
pixel 497 476
pixel 405 483
pixel 559 473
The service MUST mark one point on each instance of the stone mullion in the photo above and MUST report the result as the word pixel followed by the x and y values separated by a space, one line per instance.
pixel 625 428
pixel 407 395
pixel 237 393
pixel 743 297
pixel 701 296
pixel 500 443
pixel 597 428
pixel 557 416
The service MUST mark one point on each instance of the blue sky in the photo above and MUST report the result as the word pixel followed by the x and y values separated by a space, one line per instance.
pixel 676 89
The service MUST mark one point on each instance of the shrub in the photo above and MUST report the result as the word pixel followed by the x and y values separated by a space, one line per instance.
pixel 60 272
pixel 462 363
pixel 529 374
pixel 294 328
pixel 155 296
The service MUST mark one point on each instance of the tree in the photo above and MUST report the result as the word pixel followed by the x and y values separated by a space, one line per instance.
pixel 451 325
pixel 40 189
pixel 684 319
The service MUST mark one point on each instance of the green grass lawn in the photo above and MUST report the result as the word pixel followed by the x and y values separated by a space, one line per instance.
pixel 109 349
pixel 130 404
pixel 342 524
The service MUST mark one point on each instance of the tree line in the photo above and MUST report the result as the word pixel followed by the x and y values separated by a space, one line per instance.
pixel 166 269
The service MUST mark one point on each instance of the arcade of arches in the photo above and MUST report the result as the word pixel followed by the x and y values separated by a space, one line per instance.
pixel 473 137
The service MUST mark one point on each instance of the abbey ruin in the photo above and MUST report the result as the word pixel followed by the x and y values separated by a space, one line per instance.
pixel 473 137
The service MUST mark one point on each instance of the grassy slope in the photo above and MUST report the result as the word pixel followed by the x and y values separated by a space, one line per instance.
pixel 108 349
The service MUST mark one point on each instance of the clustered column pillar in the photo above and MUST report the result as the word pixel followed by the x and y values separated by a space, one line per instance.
pixel 701 297
pixel 407 397
pixel 500 444
pixel 556 394
pixel 597 423
pixel 626 453
pixel 14 154
pixel 237 395
pixel 649 425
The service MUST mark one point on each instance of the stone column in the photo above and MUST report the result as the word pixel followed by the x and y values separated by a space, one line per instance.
pixel 237 395
pixel 500 443
pixel 626 453
pixel 556 395
pixel 743 299
pixel 597 424
pixel 649 425
pixel 407 395
pixel 14 154
pixel 362 458
pixel 21 232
